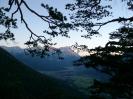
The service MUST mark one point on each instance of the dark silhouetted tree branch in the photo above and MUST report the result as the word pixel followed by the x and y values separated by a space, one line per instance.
pixel 55 20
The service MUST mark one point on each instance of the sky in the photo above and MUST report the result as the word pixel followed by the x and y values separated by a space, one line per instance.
pixel 21 34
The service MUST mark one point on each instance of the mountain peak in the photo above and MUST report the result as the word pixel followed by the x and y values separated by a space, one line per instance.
pixel 68 51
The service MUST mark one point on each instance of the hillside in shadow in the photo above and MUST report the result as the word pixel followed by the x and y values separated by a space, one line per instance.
pixel 18 81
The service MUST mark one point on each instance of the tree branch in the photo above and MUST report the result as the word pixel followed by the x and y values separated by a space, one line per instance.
pixel 120 19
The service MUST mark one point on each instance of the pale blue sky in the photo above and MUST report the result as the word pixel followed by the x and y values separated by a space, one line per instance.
pixel 38 26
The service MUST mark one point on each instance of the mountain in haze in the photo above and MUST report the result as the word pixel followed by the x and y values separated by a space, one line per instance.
pixel 50 63
pixel 54 66
pixel 76 76
pixel 18 81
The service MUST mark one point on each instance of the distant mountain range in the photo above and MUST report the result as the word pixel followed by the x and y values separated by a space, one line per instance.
pixel 50 63
pixel 62 69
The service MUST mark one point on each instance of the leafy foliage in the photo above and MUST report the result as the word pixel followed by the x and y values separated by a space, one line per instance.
pixel 86 13
pixel 89 15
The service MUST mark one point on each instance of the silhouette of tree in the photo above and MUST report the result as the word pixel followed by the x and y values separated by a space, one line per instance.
pixel 116 58
pixel 55 20
pixel 89 15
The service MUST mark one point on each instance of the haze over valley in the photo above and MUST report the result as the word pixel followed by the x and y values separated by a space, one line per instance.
pixel 78 76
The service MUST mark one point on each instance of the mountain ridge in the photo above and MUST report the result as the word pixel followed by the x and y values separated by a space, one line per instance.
pixel 75 76
pixel 55 67
pixel 18 81
pixel 51 62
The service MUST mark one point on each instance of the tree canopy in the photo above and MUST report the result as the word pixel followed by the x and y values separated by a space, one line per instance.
pixel 116 58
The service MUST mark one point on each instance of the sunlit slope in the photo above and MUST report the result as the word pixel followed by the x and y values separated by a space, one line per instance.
pixel 18 81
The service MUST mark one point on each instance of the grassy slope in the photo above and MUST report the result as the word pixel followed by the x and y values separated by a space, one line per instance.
pixel 18 81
